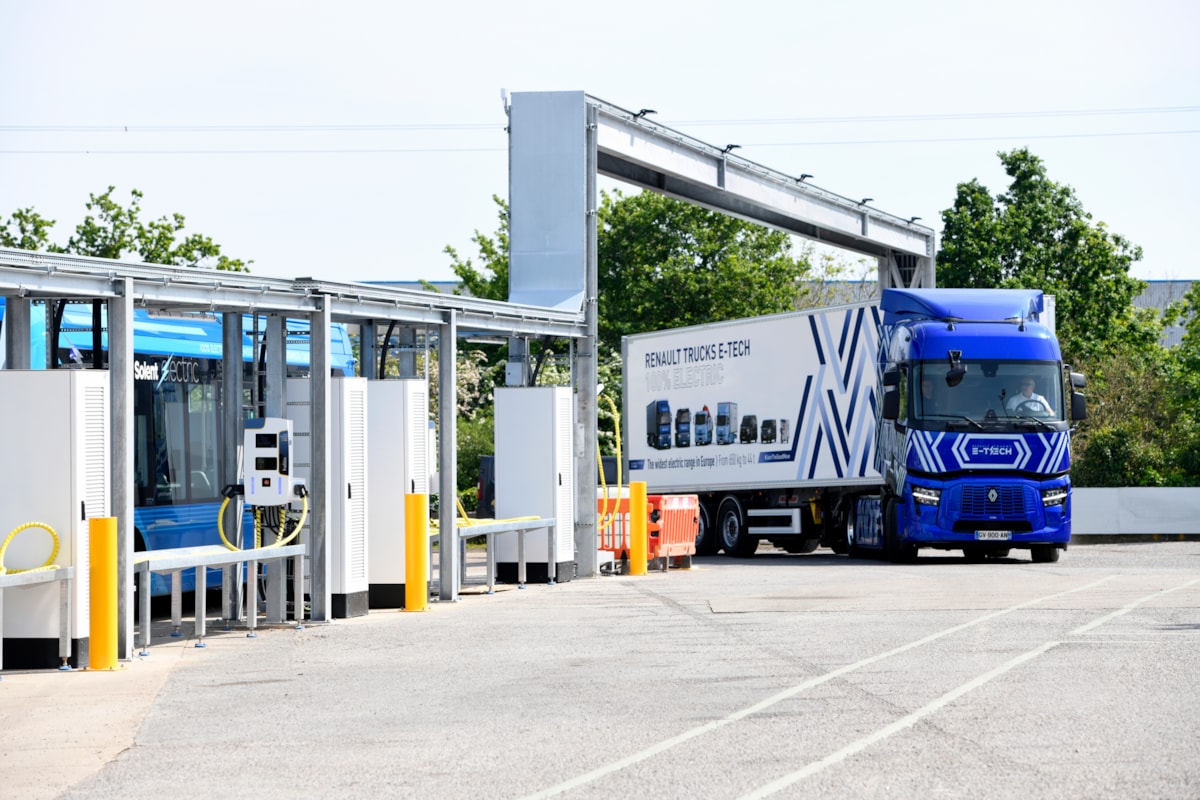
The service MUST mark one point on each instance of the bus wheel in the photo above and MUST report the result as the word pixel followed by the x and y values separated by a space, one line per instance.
pixel 1044 553
pixel 708 542
pixel 732 525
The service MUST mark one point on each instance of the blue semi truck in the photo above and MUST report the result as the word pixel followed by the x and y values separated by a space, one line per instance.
pixel 933 418
pixel 974 442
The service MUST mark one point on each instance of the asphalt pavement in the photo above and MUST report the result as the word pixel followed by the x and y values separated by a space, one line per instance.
pixel 781 675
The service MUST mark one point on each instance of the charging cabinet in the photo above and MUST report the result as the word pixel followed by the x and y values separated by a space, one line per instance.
pixel 350 497
pixel 56 470
pixel 398 464
pixel 535 471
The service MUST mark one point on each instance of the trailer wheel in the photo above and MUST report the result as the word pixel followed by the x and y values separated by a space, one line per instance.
pixel 708 541
pixel 1044 553
pixel 732 525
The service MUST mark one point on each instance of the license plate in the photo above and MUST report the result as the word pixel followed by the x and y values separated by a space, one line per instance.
pixel 993 536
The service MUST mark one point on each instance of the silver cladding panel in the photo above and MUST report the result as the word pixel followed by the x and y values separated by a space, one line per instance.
pixel 548 199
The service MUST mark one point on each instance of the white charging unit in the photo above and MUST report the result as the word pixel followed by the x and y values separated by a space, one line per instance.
pixel 535 470
pixel 56 470
pixel 347 516
pixel 398 464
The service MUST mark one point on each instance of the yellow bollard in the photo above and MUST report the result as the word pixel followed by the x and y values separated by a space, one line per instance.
pixel 416 552
pixel 638 521
pixel 102 574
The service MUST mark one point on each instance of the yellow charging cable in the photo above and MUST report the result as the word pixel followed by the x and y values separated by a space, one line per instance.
pixel 49 561
pixel 299 523
pixel 258 528
pixel 609 514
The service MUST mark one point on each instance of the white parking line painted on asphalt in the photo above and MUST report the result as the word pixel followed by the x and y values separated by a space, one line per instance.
pixel 911 719
pixel 779 697
pixel 1129 607
pixel 897 726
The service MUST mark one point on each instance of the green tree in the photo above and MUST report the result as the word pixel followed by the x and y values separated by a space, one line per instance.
pixel 1037 235
pixel 111 230
pixel 490 280
pixel 27 230
pixel 665 263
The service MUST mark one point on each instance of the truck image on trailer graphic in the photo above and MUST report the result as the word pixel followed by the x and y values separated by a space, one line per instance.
pixel 658 424
pixel 702 423
pixel 749 429
pixel 683 427
pixel 727 423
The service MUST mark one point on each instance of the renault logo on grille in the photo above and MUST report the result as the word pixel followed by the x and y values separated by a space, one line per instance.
pixel 993 495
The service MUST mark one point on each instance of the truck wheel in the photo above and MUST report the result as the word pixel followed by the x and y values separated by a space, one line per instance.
pixel 896 552
pixel 1044 553
pixel 708 542
pixel 794 546
pixel 732 524
pixel 849 536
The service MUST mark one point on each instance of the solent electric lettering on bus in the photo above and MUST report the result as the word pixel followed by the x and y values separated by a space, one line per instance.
pixel 693 366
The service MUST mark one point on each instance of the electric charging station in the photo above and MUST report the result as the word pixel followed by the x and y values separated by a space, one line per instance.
pixel 349 548
pixel 56 470
pixel 535 471
pixel 397 464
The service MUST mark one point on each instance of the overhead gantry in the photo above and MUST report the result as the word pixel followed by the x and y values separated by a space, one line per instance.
pixel 559 142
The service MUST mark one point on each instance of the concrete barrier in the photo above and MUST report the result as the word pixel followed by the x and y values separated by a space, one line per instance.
pixel 1168 513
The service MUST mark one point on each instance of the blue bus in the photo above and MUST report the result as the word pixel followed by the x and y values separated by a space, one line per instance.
pixel 178 431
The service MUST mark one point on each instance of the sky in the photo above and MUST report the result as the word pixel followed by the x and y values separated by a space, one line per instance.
pixel 356 140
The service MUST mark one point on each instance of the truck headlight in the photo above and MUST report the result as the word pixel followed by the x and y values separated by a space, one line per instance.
pixel 925 496
pixel 1054 497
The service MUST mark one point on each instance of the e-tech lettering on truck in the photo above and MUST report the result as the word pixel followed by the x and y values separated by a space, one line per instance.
pixel 935 418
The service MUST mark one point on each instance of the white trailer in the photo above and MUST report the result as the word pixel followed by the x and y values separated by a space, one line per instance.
pixel 811 374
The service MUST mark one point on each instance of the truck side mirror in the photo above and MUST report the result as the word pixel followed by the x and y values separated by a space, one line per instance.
pixel 1078 405
pixel 891 377
pixel 1078 381
pixel 891 404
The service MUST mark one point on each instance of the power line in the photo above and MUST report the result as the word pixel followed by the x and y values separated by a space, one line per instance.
pixel 472 126
pixel 253 152
pixel 988 115
pixel 347 128
pixel 407 150
pixel 948 139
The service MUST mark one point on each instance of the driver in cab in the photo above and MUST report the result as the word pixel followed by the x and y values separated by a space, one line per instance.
pixel 1027 395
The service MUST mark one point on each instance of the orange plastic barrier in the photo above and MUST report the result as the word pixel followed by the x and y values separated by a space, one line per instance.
pixel 672 527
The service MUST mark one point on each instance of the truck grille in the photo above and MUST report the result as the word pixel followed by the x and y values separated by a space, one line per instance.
pixel 1009 502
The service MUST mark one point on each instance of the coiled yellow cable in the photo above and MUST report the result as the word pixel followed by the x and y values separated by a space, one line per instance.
pixel 257 528
pixel 49 561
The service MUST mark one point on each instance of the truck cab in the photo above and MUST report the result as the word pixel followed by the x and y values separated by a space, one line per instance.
pixel 749 429
pixel 974 430
pixel 703 426
pixel 727 420
pixel 658 424
pixel 683 427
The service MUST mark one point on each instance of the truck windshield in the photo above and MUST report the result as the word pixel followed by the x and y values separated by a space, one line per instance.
pixel 994 392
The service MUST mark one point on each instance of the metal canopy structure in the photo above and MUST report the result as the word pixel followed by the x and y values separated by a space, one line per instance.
pixel 560 141
pixel 26 276
pixel 637 150
pixel 40 275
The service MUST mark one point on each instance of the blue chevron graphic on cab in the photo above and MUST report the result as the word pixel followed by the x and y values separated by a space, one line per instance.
pixel 784 399
pixel 940 452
